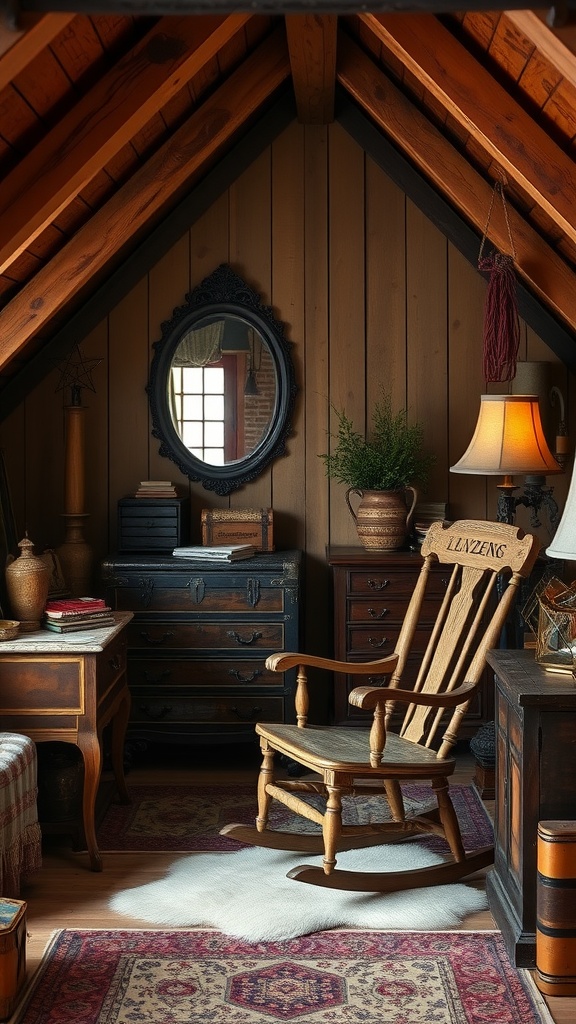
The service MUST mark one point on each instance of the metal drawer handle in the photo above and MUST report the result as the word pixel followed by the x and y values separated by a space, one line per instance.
pixel 378 584
pixel 377 615
pixel 378 643
pixel 245 641
pixel 377 680
pixel 155 640
pixel 155 716
pixel 244 679
pixel 115 662
pixel 246 716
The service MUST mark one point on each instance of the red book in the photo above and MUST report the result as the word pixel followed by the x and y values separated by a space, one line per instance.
pixel 76 604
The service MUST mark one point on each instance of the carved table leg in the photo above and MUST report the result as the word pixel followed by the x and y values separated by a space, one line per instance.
pixel 91 752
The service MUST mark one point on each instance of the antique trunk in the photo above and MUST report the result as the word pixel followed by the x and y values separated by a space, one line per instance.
pixel 238 526
pixel 12 953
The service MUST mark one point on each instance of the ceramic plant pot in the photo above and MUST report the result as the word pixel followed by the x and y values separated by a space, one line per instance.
pixel 382 518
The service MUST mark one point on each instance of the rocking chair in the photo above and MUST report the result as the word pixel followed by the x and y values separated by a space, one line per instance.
pixel 485 563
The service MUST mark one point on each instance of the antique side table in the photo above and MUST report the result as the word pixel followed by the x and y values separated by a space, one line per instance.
pixel 68 687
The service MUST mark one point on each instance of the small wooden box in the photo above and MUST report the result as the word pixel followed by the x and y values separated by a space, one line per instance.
pixel 555 973
pixel 152 524
pixel 12 953
pixel 238 526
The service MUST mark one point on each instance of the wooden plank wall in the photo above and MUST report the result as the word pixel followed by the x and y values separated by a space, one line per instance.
pixel 372 296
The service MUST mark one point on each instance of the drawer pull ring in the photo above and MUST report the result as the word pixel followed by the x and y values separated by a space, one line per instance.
pixel 155 640
pixel 377 615
pixel 377 680
pixel 155 716
pixel 244 679
pixel 245 641
pixel 378 643
pixel 378 584
pixel 115 662
pixel 246 716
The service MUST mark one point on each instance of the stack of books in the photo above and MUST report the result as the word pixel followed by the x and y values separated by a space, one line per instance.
pixel 427 513
pixel 75 613
pixel 217 553
pixel 156 489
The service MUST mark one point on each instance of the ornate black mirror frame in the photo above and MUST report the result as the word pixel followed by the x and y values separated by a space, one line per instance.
pixel 222 293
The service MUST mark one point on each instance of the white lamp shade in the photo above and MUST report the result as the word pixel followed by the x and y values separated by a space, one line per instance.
pixel 563 545
pixel 508 439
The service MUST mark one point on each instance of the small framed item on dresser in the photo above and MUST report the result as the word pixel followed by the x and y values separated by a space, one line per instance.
pixel 238 526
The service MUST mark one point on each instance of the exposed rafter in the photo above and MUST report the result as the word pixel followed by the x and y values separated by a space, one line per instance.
pixel 312 48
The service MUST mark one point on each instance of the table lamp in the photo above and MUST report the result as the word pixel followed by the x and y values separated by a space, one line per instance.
pixel 509 441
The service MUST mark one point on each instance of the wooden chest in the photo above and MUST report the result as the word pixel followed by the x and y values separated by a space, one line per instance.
pixel 238 526
pixel 153 524
pixel 199 640
pixel 12 953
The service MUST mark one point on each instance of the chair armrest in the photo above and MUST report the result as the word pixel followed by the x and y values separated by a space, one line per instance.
pixel 284 660
pixel 367 697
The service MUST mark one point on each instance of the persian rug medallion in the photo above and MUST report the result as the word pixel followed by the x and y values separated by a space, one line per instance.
pixel 185 819
pixel 191 977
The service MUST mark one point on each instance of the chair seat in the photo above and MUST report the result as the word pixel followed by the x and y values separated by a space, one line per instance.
pixel 344 750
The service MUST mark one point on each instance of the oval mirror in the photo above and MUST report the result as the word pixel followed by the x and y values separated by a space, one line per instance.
pixel 222 384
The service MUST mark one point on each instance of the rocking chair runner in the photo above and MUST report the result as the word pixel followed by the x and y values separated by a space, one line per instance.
pixel 360 761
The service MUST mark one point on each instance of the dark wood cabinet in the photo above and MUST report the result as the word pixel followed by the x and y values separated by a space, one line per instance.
pixel 371 595
pixel 535 747
pixel 199 639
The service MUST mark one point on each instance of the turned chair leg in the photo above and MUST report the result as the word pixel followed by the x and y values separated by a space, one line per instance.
pixel 449 819
pixel 265 777
pixel 331 827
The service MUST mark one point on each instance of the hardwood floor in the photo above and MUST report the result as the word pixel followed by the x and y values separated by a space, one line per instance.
pixel 66 894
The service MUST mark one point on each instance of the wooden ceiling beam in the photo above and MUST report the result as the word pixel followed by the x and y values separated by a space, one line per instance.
pixel 19 46
pixel 540 267
pixel 139 204
pixel 545 41
pixel 523 150
pixel 102 122
pixel 312 49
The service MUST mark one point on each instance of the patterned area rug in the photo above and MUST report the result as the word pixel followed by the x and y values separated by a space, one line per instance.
pixel 139 977
pixel 186 819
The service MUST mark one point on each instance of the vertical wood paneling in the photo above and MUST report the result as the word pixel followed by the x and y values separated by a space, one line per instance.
pixel 385 288
pixel 347 329
pixel 288 271
pixel 250 254
pixel 45 468
pixel 13 446
pixel 169 281
pixel 128 421
pixel 467 495
pixel 426 341
pixel 96 446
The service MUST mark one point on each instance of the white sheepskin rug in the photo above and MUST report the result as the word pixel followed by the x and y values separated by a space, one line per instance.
pixel 247 895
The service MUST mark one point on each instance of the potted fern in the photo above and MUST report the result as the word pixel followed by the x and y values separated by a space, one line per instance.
pixel 380 469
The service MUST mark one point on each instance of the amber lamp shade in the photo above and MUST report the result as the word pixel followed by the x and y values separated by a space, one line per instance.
pixel 508 440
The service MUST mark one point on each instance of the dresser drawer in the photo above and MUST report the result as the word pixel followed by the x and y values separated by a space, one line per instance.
pixel 363 609
pixel 390 584
pixel 199 598
pixel 148 708
pixel 164 672
pixel 379 640
pixel 213 636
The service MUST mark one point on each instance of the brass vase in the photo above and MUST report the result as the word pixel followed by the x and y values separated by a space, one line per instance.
pixel 382 518
pixel 27 582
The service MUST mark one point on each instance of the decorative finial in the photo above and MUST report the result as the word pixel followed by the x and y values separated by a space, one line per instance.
pixel 76 373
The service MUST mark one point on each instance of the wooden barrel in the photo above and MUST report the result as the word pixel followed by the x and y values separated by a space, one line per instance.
pixel 556 908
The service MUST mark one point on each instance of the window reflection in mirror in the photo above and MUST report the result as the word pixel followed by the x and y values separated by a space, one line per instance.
pixel 222 390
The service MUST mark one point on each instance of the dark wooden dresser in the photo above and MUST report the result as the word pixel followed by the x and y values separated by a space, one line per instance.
pixel 371 594
pixel 535 781
pixel 199 639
